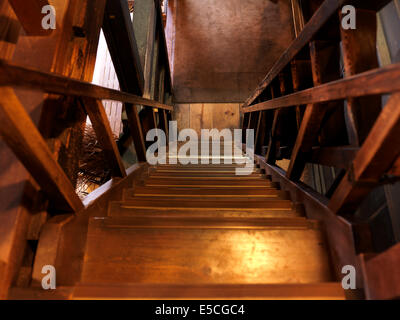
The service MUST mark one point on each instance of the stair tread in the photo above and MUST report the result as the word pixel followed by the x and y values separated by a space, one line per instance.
pixel 221 204
pixel 202 192
pixel 204 175
pixel 208 255
pixel 326 290
pixel 108 291
pixel 209 182
pixel 184 222
pixel 116 210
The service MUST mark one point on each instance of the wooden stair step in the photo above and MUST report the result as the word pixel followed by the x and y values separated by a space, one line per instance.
pixel 310 291
pixel 205 192
pixel 216 177
pixel 117 210
pixel 200 166
pixel 200 170
pixel 203 175
pixel 205 255
pixel 209 182
pixel 203 199
pixel 211 222
pixel 132 291
pixel 198 204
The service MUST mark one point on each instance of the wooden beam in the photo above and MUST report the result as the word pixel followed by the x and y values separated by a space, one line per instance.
pixel 375 158
pixel 22 136
pixel 101 126
pixel 136 131
pixel 29 14
pixel 360 55
pixel 118 31
pixel 395 170
pixel 321 16
pixel 378 81
pixel 13 75
pixel 325 58
pixel 338 157
pixel 163 117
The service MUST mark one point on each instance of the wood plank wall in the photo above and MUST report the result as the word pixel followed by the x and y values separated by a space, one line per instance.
pixel 199 116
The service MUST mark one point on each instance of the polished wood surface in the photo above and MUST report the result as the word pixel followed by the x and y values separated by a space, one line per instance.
pixel 205 241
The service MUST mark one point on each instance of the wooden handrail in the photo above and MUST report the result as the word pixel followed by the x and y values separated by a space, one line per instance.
pixel 326 10
pixel 95 110
pixel 369 142
pixel 23 77
pixel 22 136
pixel 379 81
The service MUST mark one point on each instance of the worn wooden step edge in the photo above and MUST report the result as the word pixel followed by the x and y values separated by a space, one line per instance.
pixel 325 290
pixel 204 223
pixel 317 291
pixel 204 193
pixel 199 170
pixel 83 291
pixel 205 167
pixel 115 210
pixel 198 204
pixel 185 176
pixel 208 183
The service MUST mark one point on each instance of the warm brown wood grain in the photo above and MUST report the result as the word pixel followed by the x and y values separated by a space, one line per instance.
pixel 29 14
pixel 323 69
pixel 22 136
pixel 18 76
pixel 377 81
pixel 339 232
pixel 381 276
pixel 327 9
pixel 359 55
pixel 101 126
pixel 376 156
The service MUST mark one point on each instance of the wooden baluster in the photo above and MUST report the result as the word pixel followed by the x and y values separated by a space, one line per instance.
pixel 101 126
pixel 325 58
pixel 22 136
pixel 135 127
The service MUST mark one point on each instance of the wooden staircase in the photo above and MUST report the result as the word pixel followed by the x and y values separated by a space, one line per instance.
pixel 200 231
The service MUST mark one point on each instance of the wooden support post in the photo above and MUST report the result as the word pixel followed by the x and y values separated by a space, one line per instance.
pixel 22 136
pixel 101 126
pixel 360 55
pixel 274 141
pixel 323 58
pixel 375 158
pixel 163 118
pixel 136 131
pixel 338 157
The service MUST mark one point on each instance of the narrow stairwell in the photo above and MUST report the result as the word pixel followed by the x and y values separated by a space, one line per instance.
pixel 200 231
